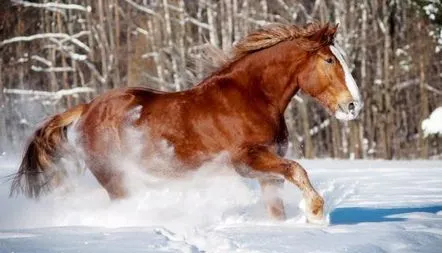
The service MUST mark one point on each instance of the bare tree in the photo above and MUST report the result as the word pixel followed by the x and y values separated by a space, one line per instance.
pixel 74 49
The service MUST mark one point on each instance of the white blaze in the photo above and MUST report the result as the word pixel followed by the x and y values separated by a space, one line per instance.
pixel 349 81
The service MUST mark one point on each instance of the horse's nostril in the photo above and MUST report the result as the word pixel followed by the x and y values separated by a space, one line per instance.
pixel 351 107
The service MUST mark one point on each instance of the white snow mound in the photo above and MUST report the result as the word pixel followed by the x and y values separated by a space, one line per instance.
pixel 433 124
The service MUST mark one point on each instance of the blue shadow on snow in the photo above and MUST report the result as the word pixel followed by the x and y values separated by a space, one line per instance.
pixel 354 215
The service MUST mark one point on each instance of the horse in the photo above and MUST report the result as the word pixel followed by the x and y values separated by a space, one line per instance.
pixel 237 109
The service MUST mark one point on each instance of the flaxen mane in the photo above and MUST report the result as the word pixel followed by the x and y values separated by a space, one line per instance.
pixel 310 37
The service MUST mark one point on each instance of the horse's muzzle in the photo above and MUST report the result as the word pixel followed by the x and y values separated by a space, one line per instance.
pixel 349 110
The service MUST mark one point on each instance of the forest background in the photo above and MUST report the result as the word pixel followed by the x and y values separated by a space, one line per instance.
pixel 55 54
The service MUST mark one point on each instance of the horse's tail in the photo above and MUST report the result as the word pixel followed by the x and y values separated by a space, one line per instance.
pixel 37 173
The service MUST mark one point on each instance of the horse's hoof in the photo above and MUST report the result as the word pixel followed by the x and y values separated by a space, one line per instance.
pixel 278 216
pixel 317 217
pixel 317 220
pixel 314 210
pixel 277 211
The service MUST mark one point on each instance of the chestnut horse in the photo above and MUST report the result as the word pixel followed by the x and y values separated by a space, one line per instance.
pixel 238 110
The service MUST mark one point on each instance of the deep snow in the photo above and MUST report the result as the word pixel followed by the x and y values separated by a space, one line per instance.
pixel 373 206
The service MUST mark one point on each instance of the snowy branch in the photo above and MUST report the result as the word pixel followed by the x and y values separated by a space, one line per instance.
pixel 33 37
pixel 51 95
pixel 432 89
pixel 406 84
pixel 142 31
pixel 73 39
pixel 95 71
pixel 64 36
pixel 141 8
pixel 52 5
pixel 42 60
pixel 198 23
pixel 151 54
pixel 54 69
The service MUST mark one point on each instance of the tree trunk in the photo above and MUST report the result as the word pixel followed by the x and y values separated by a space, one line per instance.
pixel 308 148
pixel 423 105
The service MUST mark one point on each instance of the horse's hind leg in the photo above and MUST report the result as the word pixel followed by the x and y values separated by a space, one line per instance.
pixel 270 187
pixel 112 180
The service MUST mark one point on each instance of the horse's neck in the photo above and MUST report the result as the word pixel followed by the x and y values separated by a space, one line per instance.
pixel 270 73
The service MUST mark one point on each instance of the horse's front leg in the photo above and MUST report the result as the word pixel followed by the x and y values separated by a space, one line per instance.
pixel 261 159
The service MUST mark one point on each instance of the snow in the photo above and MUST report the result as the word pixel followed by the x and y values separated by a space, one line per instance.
pixel 433 124
pixel 373 206
pixel 431 9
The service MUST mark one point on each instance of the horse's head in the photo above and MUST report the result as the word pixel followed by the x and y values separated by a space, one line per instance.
pixel 326 77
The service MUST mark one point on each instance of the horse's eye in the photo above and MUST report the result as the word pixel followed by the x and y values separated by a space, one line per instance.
pixel 329 60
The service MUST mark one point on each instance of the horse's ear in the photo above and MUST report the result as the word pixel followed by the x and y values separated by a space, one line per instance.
pixel 334 29
pixel 325 35
pixel 329 35
pixel 318 34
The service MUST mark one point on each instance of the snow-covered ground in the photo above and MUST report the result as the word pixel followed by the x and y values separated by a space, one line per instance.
pixel 373 206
